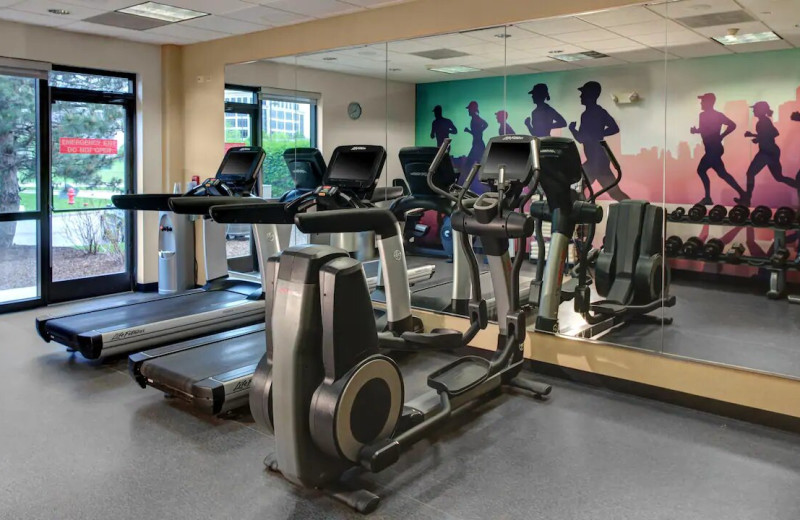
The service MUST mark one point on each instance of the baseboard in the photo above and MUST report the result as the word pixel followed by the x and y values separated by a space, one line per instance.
pixel 147 287
pixel 703 404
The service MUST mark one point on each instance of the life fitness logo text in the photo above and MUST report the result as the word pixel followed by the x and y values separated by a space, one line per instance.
pixel 514 138
pixel 353 149
pixel 242 385
pixel 127 334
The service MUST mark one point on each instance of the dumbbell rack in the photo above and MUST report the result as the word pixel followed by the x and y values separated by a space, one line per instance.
pixel 777 275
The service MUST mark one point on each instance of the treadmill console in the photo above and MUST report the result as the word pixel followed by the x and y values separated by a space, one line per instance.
pixel 240 169
pixel 356 169
pixel 514 153
pixel 306 166
pixel 561 168
pixel 415 161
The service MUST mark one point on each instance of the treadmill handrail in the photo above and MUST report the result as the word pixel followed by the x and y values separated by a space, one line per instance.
pixel 253 212
pixel 202 205
pixel 144 201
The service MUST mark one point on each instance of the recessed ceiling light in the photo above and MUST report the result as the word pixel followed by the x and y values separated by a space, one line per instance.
pixel 502 35
pixel 578 56
pixel 736 39
pixel 164 12
pixel 329 58
pixel 58 11
pixel 454 69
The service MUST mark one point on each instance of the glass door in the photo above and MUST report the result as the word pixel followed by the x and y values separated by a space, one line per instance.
pixel 91 244
pixel 22 200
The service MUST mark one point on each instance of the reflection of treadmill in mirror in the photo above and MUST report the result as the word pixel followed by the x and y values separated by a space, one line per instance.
pixel 223 303
pixel 214 373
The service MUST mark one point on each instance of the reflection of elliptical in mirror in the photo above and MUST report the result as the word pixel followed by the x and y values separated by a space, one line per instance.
pixel 544 118
pixel 709 127
pixel 476 128
pixel 596 125
pixel 769 154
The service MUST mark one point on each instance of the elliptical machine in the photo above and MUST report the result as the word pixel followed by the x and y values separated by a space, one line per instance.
pixel 332 400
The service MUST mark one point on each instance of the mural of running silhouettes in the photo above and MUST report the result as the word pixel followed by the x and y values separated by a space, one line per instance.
pixel 476 128
pixel 596 125
pixel 769 154
pixel 502 120
pixel 442 128
pixel 544 118
pixel 710 130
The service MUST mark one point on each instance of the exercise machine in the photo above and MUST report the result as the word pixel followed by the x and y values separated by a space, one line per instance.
pixel 214 373
pixel 332 400
pixel 223 303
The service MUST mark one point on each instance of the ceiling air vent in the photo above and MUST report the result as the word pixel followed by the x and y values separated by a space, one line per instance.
pixel 439 54
pixel 714 19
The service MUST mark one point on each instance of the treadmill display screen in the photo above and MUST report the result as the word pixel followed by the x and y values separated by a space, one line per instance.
pixel 239 164
pixel 516 157
pixel 353 167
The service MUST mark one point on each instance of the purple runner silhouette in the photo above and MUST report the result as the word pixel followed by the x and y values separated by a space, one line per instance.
pixel 596 125
pixel 476 128
pixel 769 154
pixel 441 128
pixel 544 118
pixel 502 120
pixel 709 127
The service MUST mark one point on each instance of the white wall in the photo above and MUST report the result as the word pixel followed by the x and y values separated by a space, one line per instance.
pixel 83 50
pixel 337 91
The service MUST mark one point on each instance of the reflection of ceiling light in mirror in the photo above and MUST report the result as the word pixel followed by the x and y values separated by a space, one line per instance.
pixel 736 39
pixel 58 11
pixel 453 69
pixel 578 56
pixel 167 13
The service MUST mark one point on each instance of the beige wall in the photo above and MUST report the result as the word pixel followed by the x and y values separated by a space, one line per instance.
pixel 83 50
pixel 336 91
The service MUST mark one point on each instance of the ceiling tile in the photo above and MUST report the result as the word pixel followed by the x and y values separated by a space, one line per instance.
pixel 556 26
pixel 206 6
pixel 103 5
pixel 622 16
pixel 373 3
pixel 315 8
pixel 636 56
pixel 408 46
pixel 34 18
pixel 616 44
pixel 694 8
pixel 656 27
pixel 584 36
pixel 76 12
pixel 189 33
pixel 540 43
pixel 267 16
pixel 510 32
pixel 698 50
pixel 669 39
pixel 226 25
pixel 118 32
pixel 449 41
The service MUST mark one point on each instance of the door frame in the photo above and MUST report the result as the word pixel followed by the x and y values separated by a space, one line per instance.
pixel 110 283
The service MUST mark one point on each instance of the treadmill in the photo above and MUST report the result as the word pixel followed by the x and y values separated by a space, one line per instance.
pixel 223 303
pixel 214 373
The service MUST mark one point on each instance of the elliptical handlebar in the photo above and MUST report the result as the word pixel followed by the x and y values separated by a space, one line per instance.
pixel 617 167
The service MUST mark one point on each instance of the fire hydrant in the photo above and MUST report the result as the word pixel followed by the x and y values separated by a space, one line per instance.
pixel 71 196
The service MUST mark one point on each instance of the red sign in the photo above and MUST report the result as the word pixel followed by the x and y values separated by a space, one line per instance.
pixel 87 146
pixel 228 146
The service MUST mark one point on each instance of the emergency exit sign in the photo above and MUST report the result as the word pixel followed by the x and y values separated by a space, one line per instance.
pixel 76 145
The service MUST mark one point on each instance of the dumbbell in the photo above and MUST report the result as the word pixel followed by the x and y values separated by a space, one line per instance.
pixel 692 247
pixel 761 216
pixel 677 214
pixel 717 213
pixel 673 245
pixel 739 214
pixel 735 253
pixel 697 212
pixel 779 257
pixel 785 217
pixel 713 248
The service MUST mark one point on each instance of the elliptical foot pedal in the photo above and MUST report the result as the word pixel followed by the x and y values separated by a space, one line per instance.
pixel 436 339
pixel 359 500
pixel 460 376
pixel 379 456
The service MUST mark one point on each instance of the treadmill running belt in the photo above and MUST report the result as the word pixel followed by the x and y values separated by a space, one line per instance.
pixel 142 313
pixel 182 370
